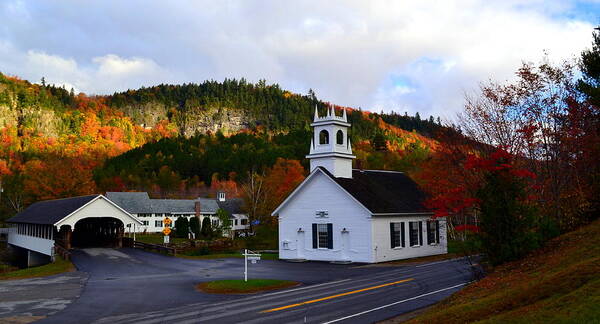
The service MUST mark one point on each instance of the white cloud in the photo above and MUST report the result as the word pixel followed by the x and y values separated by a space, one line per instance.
pixel 349 52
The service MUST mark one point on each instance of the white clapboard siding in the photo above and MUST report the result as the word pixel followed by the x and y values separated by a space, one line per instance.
pixel 382 244
pixel 321 193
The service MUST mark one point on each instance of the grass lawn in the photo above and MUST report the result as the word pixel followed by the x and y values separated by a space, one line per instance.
pixel 239 286
pixel 559 283
pixel 59 266
pixel 157 238
pixel 264 256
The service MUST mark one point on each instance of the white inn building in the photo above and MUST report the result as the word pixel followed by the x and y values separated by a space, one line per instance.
pixel 342 214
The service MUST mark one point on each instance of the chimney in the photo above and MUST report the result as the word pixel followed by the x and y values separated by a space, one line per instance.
pixel 221 195
pixel 197 208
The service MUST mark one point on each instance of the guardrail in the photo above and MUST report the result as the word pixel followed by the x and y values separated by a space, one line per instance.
pixel 154 247
pixel 64 253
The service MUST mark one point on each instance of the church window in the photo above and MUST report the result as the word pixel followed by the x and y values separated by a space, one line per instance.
pixel 322 236
pixel 433 232
pixel 416 237
pixel 323 137
pixel 340 137
pixel 397 235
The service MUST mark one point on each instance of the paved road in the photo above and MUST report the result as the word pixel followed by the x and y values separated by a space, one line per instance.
pixel 26 300
pixel 132 286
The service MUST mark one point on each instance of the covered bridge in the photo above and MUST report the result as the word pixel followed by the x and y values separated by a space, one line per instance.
pixel 84 221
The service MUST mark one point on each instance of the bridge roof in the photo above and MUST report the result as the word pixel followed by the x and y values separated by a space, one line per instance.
pixel 49 212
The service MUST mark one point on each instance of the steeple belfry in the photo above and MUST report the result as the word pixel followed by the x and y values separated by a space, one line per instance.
pixel 330 146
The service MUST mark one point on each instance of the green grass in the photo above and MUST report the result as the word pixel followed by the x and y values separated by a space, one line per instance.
pixel 189 255
pixel 559 283
pixel 241 287
pixel 157 238
pixel 59 266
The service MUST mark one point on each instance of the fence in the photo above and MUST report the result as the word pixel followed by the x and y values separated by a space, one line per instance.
pixel 154 247
pixel 64 253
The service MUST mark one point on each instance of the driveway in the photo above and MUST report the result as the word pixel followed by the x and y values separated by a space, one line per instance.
pixel 133 286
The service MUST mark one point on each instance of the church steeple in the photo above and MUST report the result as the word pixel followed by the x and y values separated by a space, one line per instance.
pixel 330 146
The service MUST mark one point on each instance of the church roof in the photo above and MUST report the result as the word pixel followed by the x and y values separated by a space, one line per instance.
pixel 50 212
pixel 383 192
pixel 380 192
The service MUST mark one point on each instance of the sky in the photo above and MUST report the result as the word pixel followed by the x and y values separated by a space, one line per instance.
pixel 404 56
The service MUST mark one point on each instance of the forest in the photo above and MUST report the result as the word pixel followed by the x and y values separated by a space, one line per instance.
pixel 124 142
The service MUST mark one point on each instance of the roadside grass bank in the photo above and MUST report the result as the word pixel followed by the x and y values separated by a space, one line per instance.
pixel 59 266
pixel 239 286
pixel 559 283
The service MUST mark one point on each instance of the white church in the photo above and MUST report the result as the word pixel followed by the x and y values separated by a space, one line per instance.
pixel 348 215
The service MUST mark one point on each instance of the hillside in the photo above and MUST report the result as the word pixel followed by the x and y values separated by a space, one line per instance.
pixel 559 283
pixel 175 137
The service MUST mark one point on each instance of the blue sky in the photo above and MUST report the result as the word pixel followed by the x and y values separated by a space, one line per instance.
pixel 378 55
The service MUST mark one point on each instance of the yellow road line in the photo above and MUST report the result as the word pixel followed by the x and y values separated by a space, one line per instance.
pixel 335 296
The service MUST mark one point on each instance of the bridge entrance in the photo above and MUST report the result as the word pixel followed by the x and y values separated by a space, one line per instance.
pixel 98 232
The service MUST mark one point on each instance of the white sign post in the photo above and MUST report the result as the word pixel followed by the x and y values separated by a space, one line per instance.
pixel 249 256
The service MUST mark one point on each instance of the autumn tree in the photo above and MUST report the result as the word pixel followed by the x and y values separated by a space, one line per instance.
pixel 254 196
pixel 280 180
pixel 263 192
pixel 537 118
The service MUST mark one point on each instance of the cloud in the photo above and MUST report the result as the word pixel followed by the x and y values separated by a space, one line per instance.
pixel 350 52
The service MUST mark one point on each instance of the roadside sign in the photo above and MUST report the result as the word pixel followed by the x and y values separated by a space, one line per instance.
pixel 253 257
pixel 167 222
pixel 166 231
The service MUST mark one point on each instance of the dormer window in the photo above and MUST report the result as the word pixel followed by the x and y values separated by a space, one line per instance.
pixel 221 196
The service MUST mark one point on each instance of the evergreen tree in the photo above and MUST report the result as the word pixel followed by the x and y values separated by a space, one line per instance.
pixel 507 221
pixel 195 226
pixel 224 219
pixel 590 68
pixel 182 227
pixel 378 142
pixel 206 231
